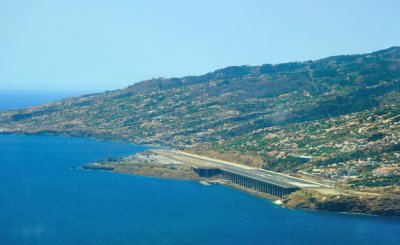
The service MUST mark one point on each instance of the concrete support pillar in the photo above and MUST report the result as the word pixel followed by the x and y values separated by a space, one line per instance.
pixel 254 184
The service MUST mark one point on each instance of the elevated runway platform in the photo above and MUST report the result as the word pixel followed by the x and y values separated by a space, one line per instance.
pixel 264 181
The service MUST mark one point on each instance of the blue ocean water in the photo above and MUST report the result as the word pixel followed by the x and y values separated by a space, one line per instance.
pixel 16 99
pixel 44 201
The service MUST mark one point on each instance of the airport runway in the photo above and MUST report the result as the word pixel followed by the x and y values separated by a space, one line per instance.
pixel 255 173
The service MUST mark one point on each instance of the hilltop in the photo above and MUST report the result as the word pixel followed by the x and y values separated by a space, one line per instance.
pixel 293 117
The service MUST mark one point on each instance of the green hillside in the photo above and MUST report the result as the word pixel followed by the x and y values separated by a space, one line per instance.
pixel 274 111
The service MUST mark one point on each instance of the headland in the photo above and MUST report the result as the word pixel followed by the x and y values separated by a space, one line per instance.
pixel 290 191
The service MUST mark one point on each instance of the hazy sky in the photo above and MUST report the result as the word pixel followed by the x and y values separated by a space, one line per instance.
pixel 98 45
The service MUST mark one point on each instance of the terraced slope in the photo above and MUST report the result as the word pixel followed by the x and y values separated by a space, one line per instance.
pixel 221 105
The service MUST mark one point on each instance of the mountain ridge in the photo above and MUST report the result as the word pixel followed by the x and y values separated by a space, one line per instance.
pixel 265 68
pixel 338 85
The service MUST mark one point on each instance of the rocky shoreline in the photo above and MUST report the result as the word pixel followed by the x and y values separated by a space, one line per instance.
pixel 370 205
pixel 303 199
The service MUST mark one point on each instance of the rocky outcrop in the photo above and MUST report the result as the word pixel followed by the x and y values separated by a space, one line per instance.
pixel 374 205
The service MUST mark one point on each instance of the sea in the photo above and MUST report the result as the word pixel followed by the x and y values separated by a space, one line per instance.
pixel 17 99
pixel 47 198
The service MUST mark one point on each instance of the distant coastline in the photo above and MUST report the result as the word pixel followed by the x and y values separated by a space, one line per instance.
pixel 19 99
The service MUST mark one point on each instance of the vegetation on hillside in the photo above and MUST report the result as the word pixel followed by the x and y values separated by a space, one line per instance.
pixel 338 117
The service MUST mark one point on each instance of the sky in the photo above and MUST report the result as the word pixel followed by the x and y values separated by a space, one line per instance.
pixel 97 45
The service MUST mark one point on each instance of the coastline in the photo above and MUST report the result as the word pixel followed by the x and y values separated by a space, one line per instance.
pixel 116 139
pixel 301 200
pixel 296 200
pixel 203 181
pixel 283 202
pixel 84 134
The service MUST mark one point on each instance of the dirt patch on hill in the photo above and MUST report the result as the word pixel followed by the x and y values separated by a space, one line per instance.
pixel 375 205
